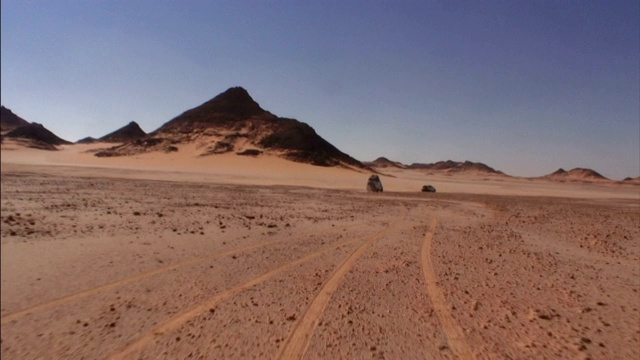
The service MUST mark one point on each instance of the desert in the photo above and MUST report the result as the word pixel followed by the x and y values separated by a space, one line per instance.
pixel 319 180
pixel 169 255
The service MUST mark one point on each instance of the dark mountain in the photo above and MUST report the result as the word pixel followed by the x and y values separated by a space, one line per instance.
pixel 37 136
pixel 9 120
pixel 129 132
pixel 234 122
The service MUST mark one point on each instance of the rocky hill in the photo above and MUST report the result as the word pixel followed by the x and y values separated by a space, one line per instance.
pixel 37 136
pixel 576 174
pixel 450 166
pixel 383 162
pixel 87 140
pixel 28 134
pixel 630 181
pixel 129 132
pixel 234 122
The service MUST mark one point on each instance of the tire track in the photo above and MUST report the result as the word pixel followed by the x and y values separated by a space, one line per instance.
pixel 454 334
pixel 181 318
pixel 118 283
pixel 297 343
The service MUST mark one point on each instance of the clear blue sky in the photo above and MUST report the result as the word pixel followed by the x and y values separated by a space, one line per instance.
pixel 524 86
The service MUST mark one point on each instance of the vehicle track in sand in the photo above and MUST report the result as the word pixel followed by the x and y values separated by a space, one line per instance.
pixel 297 343
pixel 183 317
pixel 455 336
pixel 118 283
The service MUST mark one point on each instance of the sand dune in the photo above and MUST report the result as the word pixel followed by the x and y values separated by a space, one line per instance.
pixel 186 164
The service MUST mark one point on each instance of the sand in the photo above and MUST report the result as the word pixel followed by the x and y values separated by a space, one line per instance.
pixel 178 257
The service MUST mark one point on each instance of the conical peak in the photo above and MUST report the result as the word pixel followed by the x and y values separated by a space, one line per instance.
pixel 235 102
pixel 235 95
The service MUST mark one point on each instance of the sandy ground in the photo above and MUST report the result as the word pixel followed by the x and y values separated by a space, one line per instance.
pixel 154 258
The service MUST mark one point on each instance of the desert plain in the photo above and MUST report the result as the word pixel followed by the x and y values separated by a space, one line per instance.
pixel 166 256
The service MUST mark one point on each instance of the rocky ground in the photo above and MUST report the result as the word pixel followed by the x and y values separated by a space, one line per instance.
pixel 123 268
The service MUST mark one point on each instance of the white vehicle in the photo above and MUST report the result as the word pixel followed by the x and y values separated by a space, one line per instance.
pixel 374 184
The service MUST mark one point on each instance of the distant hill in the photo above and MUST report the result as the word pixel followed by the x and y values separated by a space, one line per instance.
pixel 233 122
pixel 630 181
pixel 383 162
pixel 87 140
pixel 129 132
pixel 32 135
pixel 37 136
pixel 9 120
pixel 576 174
pixel 451 166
